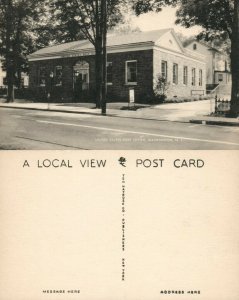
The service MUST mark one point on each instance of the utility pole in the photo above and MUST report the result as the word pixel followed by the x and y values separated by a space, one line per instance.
pixel 104 55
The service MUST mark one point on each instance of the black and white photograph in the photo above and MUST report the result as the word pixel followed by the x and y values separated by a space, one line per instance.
pixel 110 112
pixel 106 75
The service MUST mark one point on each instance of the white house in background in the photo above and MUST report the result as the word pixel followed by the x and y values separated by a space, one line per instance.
pixel 2 75
pixel 217 63
pixel 25 77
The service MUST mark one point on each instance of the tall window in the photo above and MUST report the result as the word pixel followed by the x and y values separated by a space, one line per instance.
pixel 193 76
pixel 220 77
pixel 194 46
pixel 42 76
pixel 131 71
pixel 200 77
pixel 109 72
pixel 175 73
pixel 164 69
pixel 185 75
pixel 58 75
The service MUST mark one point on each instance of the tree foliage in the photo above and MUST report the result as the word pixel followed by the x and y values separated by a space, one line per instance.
pixel 75 19
pixel 219 20
pixel 18 18
pixel 145 6
pixel 215 16
pixel 90 19
pixel 126 26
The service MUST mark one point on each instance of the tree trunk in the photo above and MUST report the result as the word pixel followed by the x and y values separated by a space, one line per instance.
pixel 10 84
pixel 98 74
pixel 98 58
pixel 234 109
pixel 9 58
pixel 17 52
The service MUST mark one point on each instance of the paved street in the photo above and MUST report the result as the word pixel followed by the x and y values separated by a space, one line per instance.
pixel 33 130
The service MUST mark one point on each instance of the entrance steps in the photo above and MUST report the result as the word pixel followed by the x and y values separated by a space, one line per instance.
pixel 219 89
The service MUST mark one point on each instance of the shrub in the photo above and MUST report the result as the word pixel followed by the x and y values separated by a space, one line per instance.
pixel 161 86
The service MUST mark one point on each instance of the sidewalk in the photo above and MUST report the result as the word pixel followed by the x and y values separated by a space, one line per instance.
pixel 195 112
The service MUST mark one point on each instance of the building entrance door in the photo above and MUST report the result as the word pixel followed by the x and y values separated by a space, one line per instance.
pixel 80 80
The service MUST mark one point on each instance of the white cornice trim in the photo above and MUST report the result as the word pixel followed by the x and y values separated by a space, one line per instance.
pixel 166 50
pixel 115 49
pixel 139 48
pixel 44 58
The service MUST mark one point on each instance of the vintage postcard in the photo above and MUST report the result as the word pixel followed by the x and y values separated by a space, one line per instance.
pixel 119 225
pixel 118 151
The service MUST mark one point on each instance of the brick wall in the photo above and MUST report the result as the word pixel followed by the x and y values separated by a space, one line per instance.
pixel 148 66
pixel 64 92
pixel 118 91
pixel 180 89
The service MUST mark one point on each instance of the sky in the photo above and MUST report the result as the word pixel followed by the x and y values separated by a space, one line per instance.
pixel 164 19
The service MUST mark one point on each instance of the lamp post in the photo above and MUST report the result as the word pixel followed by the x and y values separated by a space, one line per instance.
pixel 49 96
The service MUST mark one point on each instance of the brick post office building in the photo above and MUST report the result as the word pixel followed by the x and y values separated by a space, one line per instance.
pixel 133 62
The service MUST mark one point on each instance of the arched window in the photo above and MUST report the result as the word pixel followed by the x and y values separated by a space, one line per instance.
pixel 81 75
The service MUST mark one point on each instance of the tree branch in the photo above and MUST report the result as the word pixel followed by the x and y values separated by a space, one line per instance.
pixel 90 17
pixel 86 31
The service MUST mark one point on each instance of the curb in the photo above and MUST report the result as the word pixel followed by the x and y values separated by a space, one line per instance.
pixel 54 110
pixel 91 113
pixel 196 121
pixel 211 122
